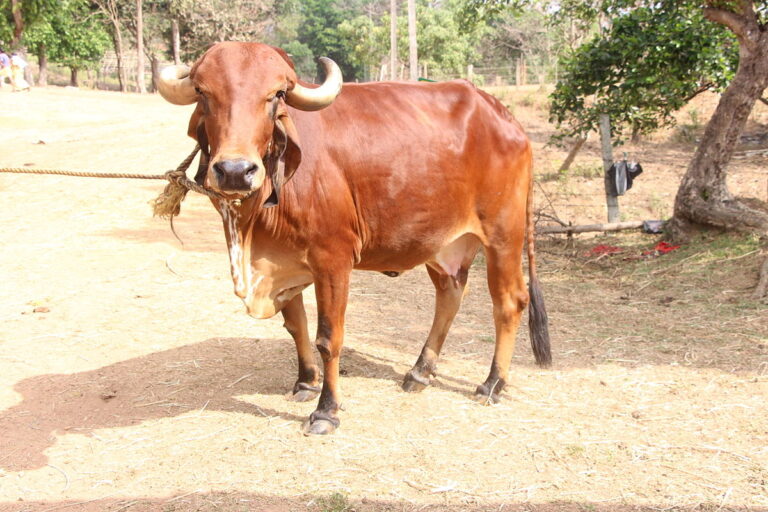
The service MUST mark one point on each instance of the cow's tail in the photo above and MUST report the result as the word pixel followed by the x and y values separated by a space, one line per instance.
pixel 537 313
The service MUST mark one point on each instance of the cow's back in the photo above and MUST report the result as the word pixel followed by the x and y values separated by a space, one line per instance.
pixel 415 164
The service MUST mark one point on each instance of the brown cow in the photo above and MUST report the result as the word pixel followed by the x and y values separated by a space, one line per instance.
pixel 388 176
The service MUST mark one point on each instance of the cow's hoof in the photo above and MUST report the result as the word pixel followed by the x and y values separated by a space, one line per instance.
pixel 413 382
pixel 303 392
pixel 484 396
pixel 318 428
pixel 303 395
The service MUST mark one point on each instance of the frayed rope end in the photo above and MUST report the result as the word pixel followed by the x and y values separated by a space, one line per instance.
pixel 168 204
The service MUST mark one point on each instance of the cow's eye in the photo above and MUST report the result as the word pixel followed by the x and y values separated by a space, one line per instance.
pixel 280 94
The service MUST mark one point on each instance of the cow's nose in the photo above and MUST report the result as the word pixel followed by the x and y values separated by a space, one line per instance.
pixel 234 174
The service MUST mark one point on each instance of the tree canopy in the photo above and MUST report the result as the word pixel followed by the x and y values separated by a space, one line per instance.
pixel 642 67
pixel 71 34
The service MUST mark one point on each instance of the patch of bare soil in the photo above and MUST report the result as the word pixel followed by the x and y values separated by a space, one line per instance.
pixel 131 379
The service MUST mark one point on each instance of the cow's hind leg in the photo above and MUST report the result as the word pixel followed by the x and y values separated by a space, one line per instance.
pixel 510 297
pixel 308 383
pixel 448 294
pixel 448 270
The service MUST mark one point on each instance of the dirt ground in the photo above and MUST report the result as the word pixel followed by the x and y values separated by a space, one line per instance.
pixel 131 378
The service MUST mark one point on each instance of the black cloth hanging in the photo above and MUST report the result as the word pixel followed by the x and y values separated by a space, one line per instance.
pixel 621 174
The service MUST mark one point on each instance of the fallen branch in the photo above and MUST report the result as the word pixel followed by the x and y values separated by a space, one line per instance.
pixel 750 153
pixel 586 228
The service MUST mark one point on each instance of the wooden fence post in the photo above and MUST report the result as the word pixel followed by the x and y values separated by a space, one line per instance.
pixel 611 201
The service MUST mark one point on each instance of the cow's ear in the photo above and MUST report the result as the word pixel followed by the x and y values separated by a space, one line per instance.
pixel 284 156
pixel 194 121
pixel 196 130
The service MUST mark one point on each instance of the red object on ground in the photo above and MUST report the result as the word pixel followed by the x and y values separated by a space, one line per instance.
pixel 662 248
pixel 600 250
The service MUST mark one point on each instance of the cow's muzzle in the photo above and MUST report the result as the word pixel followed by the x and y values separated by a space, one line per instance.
pixel 235 175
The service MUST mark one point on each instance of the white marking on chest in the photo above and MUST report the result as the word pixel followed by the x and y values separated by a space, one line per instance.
pixel 265 280
pixel 236 253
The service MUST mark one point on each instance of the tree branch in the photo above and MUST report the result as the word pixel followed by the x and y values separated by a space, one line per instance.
pixel 748 10
pixel 701 89
pixel 738 24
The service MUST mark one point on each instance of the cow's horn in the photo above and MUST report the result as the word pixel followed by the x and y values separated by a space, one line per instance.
pixel 304 98
pixel 175 86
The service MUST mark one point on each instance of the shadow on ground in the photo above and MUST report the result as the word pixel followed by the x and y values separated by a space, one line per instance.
pixel 209 374
pixel 240 501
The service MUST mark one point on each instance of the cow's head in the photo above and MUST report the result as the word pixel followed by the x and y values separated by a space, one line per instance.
pixel 241 121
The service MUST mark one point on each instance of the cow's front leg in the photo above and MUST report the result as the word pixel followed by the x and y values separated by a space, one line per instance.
pixel 307 385
pixel 331 290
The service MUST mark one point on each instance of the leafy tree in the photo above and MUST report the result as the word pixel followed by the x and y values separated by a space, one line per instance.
pixel 284 32
pixel 703 198
pixel 540 31
pixel 319 32
pixel 70 35
pixel 364 44
pixel 16 15
pixel 443 48
pixel 640 70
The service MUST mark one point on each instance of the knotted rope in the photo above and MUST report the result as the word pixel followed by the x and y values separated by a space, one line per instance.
pixel 168 204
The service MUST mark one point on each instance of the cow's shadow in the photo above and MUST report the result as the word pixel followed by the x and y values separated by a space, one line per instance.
pixel 209 375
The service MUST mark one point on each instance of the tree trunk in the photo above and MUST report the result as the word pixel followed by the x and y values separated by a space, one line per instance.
pixel 703 198
pixel 155 64
pixel 393 40
pixel 117 39
pixel 73 79
pixel 413 53
pixel 42 60
pixel 18 22
pixel 175 43
pixel 572 153
pixel 140 85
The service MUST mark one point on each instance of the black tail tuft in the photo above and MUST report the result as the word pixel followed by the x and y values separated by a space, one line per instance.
pixel 538 325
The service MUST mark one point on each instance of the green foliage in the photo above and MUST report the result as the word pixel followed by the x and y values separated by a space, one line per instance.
pixel 31 11
pixel 525 33
pixel 319 32
pixel 473 12
pixel 648 64
pixel 302 57
pixel 70 35
pixel 363 43
pixel 442 45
